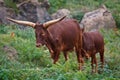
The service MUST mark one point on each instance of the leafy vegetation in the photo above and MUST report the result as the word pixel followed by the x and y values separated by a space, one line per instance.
pixel 31 63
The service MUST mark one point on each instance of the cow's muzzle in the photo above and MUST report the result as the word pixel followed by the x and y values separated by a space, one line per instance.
pixel 38 44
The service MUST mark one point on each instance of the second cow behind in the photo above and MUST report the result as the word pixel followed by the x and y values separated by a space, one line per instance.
pixel 92 43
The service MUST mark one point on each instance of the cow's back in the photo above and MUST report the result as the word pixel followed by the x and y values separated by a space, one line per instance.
pixel 93 41
pixel 98 40
pixel 65 33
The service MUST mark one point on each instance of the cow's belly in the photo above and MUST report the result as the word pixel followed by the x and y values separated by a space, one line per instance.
pixel 67 47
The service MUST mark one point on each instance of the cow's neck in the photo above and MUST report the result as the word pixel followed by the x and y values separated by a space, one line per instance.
pixel 49 42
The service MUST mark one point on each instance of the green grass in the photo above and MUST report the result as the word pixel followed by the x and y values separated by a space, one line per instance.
pixel 34 63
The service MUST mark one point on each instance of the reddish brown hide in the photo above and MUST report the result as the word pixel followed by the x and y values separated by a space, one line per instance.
pixel 93 43
pixel 62 36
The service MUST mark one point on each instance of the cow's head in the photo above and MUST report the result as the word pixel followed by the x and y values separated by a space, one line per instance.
pixel 40 29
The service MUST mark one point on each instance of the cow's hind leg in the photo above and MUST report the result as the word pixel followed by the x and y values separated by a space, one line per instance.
pixel 102 58
pixel 79 59
pixel 94 64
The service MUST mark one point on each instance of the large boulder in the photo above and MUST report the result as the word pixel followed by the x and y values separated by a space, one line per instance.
pixel 28 10
pixel 1 1
pixel 5 12
pixel 97 19
pixel 61 13
pixel 33 11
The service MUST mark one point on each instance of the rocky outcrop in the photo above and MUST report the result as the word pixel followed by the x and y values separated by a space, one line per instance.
pixel 35 12
pixel 5 12
pixel 61 13
pixel 27 10
pixel 100 18
pixel 1 1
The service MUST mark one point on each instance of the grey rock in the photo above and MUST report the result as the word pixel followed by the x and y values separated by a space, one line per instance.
pixel 29 11
pixel 61 13
pixel 97 19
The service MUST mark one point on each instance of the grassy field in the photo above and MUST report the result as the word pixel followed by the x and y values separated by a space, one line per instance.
pixel 21 60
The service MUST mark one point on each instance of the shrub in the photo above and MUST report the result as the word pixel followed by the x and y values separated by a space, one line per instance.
pixel 78 15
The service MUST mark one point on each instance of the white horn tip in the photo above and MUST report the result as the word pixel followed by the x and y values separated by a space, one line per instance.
pixel 63 17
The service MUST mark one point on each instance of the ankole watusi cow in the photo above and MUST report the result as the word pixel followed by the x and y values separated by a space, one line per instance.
pixel 92 43
pixel 58 35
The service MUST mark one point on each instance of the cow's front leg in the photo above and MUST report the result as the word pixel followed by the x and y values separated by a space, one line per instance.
pixel 56 57
pixel 51 51
pixel 80 61
pixel 81 64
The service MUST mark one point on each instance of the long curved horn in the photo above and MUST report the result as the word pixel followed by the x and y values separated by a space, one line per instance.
pixel 27 23
pixel 47 24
